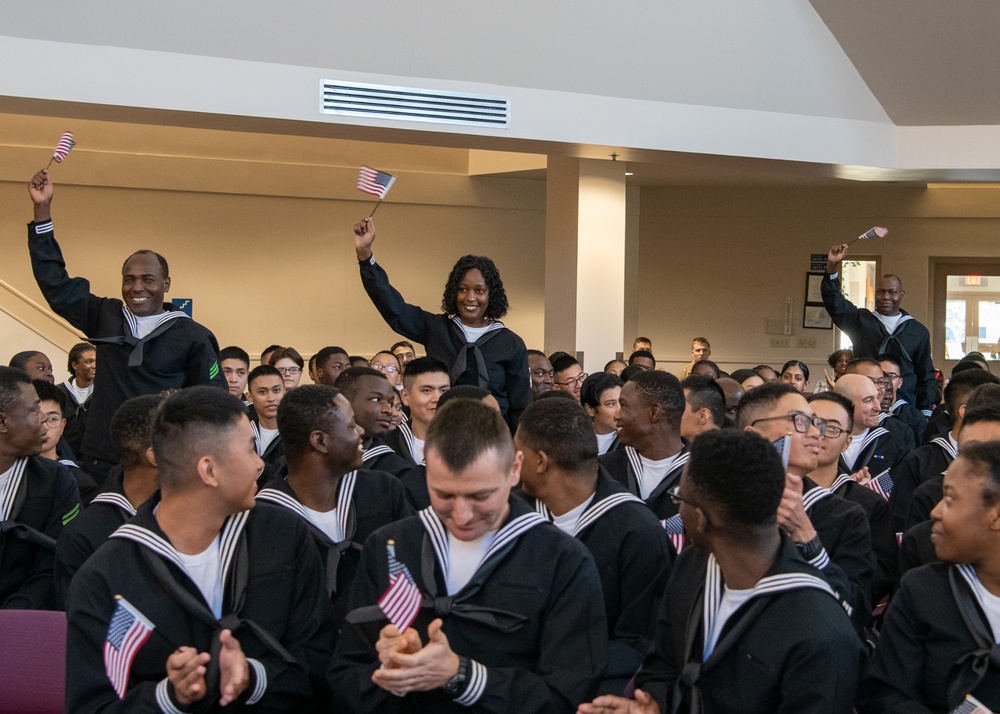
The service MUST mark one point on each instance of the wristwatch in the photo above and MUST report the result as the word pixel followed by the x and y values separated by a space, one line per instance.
pixel 810 549
pixel 456 685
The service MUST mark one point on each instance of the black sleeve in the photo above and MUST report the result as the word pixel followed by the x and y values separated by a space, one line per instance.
pixel 842 311
pixel 905 479
pixel 70 298
pixel 72 550
pixel 404 319
pixel 822 676
pixel 894 678
pixel 644 568
pixel 923 367
pixel 203 365
pixel 518 385
pixel 886 551
pixel 850 570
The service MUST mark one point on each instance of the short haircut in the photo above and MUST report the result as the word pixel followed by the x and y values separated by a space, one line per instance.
pixel 741 375
pixel 614 361
pixel 164 268
pixel 710 363
pixel 895 277
pixel 557 354
pixel 642 339
pixel 796 363
pixel 595 385
pixel 664 389
pixel 962 385
pixel 563 362
pixel 463 391
pixel 324 355
pixel 886 357
pixel 759 368
pixel 423 365
pixel 385 352
pixel 402 343
pixel 264 370
pixel 349 380
pixel 964 366
pixel 463 430
pixel 536 353
pixel 641 353
pixel 312 363
pixel 234 352
pixel 759 401
pixel 270 348
pixel 705 393
pixel 983 405
pixel 10 379
pixel 496 306
pixel 837 398
pixel 633 369
pixel 562 429
pixel 20 360
pixel 132 428
pixel 701 341
pixel 76 352
pixel 302 411
pixel 741 473
pixel 48 392
pixel 286 353
pixel 357 360
pixel 863 360
pixel 984 457
pixel 190 424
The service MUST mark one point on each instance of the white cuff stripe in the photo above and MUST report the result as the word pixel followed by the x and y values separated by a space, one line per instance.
pixel 371 261
pixel 927 413
pixel 477 685
pixel 43 228
pixel 821 560
pixel 163 698
pixel 261 684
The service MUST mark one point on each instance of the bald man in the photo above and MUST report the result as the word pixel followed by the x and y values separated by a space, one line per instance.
pixel 896 426
pixel 872 446
pixel 887 330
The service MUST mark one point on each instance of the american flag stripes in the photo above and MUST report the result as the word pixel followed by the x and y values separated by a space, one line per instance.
pixel 127 632
pixel 675 531
pixel 375 182
pixel 63 147
pixel 401 600
pixel 881 484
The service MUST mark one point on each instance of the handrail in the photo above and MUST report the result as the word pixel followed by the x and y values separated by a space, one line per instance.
pixel 43 311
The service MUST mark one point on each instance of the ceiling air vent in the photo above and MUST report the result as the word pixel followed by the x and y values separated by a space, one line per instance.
pixel 377 101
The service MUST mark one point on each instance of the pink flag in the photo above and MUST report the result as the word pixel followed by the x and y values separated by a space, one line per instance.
pixel 64 146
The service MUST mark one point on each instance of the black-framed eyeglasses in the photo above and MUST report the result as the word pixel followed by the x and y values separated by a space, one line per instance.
pixel 800 421
pixel 831 431
pixel 677 499
pixel 578 379
pixel 289 370
pixel 390 368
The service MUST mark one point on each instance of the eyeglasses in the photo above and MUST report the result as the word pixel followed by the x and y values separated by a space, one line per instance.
pixel 53 419
pixel 882 384
pixel 677 499
pixel 801 421
pixel 578 379
pixel 830 431
pixel 891 375
pixel 289 370
pixel 385 368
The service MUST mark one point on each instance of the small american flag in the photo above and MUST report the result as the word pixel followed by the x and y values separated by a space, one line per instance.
pixel 401 600
pixel 63 147
pixel 675 531
pixel 881 484
pixel 375 182
pixel 127 632
pixel 971 705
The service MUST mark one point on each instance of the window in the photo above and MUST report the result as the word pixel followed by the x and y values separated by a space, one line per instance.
pixel 858 285
pixel 966 309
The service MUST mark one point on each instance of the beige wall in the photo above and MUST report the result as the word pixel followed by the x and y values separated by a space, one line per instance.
pixel 265 269
pixel 720 261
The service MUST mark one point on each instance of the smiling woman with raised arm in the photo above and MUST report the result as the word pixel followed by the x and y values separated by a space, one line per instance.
pixel 468 336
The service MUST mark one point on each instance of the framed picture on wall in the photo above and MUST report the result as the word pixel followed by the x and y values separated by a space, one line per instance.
pixel 816 317
pixel 813 293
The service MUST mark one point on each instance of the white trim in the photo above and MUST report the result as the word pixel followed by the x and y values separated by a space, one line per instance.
pixel 115 499
pixel 477 684
pixel 9 492
pixel 260 686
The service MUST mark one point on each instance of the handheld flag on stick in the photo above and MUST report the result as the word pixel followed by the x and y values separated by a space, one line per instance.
pixel 63 148
pixel 675 531
pixel 401 600
pixel 128 630
pixel 881 484
pixel 375 182
pixel 876 232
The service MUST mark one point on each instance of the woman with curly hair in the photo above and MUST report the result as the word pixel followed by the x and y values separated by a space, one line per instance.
pixel 468 336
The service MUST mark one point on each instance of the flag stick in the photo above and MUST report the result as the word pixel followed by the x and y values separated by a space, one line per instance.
pixel 50 163
pixel 379 203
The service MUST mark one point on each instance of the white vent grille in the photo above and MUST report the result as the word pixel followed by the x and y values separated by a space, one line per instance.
pixel 406 103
